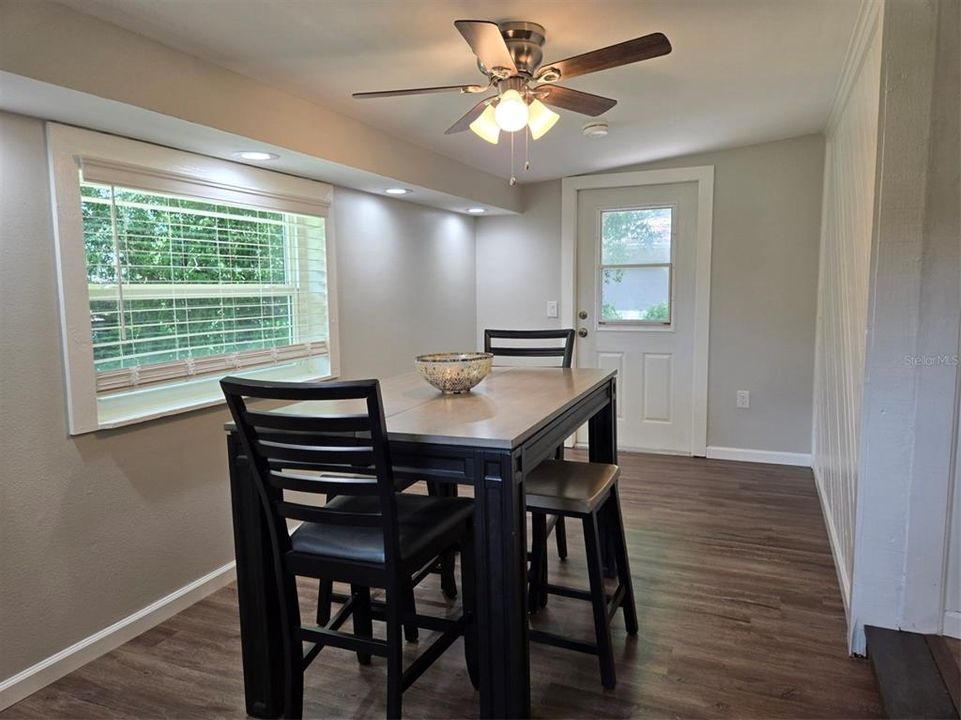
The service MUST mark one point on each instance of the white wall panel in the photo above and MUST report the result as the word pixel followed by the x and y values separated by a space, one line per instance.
pixel 846 230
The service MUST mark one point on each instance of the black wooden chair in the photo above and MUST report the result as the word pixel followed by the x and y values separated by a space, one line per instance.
pixel 585 491
pixel 368 535
pixel 519 348
pixel 563 348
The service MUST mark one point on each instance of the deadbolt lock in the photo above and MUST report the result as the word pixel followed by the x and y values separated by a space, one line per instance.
pixel 582 314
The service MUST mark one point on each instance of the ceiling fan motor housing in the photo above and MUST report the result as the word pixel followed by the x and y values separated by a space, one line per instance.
pixel 525 41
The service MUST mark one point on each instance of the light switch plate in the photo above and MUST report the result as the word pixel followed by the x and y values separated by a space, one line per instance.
pixel 552 308
pixel 744 398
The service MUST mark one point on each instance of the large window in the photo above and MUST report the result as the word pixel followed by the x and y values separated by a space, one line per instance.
pixel 636 266
pixel 180 286
pixel 177 269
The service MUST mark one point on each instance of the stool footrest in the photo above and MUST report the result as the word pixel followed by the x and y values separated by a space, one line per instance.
pixel 579 594
pixel 569 592
pixel 546 638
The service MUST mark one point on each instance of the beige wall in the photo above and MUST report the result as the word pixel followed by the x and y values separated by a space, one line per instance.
pixel 406 282
pixel 519 262
pixel 767 214
pixel 94 528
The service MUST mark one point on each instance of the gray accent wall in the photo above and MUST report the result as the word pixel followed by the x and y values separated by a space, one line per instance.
pixel 764 274
pixel 97 527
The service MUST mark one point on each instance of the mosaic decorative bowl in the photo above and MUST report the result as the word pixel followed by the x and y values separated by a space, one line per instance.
pixel 454 373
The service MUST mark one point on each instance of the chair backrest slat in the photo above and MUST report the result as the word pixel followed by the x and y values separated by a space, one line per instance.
pixel 293 437
pixel 309 513
pixel 322 451
pixel 307 423
pixel 361 455
pixel 563 350
pixel 528 352
pixel 327 485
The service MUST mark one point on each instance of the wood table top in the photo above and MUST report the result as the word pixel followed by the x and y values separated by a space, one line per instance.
pixel 501 412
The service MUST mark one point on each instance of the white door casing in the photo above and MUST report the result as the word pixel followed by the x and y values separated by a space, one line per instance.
pixel 951 602
pixel 669 412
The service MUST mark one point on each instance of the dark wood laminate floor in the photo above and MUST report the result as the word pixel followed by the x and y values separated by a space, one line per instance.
pixel 737 598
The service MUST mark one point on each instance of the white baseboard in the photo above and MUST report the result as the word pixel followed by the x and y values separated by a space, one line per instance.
pixel 952 624
pixel 727 453
pixel 628 448
pixel 46 671
pixel 772 457
pixel 840 566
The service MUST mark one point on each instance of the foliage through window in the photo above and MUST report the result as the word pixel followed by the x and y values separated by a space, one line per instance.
pixel 636 265
pixel 183 286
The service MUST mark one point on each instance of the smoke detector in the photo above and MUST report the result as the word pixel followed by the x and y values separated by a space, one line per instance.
pixel 595 129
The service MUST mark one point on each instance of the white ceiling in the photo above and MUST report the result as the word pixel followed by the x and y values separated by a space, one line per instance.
pixel 742 71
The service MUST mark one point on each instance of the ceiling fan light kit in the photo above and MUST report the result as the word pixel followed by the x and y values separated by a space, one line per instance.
pixel 510 55
pixel 541 119
pixel 511 112
pixel 486 127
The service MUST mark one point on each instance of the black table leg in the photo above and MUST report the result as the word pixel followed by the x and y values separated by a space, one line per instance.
pixel 259 634
pixel 602 448
pixel 501 551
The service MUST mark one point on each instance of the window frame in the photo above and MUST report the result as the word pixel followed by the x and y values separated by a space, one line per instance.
pixel 663 325
pixel 68 149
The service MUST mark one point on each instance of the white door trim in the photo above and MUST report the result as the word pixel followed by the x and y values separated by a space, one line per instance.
pixel 703 175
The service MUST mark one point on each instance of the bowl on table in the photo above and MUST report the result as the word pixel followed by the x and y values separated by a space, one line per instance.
pixel 454 372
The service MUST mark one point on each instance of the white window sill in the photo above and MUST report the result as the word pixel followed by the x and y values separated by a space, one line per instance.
pixel 157 401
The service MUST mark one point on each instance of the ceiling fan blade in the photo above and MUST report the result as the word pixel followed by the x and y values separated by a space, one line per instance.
pixel 488 44
pixel 580 102
pixel 471 115
pixel 463 89
pixel 625 53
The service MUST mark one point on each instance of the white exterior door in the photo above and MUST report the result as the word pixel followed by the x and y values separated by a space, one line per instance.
pixel 635 304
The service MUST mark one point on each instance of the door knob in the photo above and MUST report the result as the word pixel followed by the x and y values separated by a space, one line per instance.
pixel 582 314
pixel 582 332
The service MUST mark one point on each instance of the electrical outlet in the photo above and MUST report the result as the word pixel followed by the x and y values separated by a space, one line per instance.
pixel 744 398
pixel 552 308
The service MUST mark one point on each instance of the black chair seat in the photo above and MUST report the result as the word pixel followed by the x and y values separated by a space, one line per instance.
pixel 425 525
pixel 559 486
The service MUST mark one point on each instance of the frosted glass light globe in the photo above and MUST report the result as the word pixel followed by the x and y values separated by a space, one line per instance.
pixel 511 112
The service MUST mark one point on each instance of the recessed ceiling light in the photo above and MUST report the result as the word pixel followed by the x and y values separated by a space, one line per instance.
pixel 397 191
pixel 256 155
pixel 476 211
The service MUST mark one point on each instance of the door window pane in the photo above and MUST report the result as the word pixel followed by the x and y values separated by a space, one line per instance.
pixel 636 237
pixel 636 294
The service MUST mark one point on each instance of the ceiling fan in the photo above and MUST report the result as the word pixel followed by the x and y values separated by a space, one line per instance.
pixel 510 55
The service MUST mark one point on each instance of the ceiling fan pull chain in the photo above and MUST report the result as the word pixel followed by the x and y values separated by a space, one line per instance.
pixel 513 178
pixel 527 150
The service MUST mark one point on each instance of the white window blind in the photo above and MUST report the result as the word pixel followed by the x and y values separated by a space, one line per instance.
pixel 189 278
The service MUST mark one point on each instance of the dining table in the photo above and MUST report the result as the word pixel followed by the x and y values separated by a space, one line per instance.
pixel 487 438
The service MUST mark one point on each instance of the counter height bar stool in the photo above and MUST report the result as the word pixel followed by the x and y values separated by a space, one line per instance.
pixel 563 350
pixel 584 490
pixel 368 535
pixel 541 526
